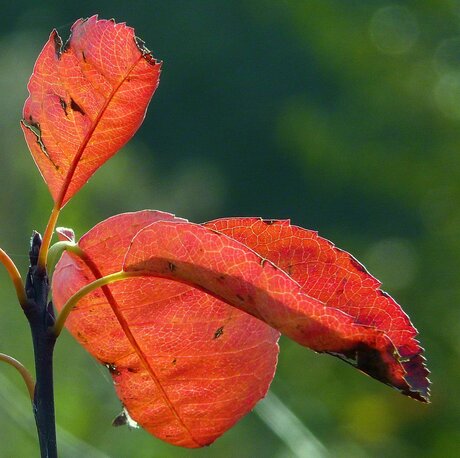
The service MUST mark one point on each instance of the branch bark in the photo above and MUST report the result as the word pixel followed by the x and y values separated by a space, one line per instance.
pixel 40 314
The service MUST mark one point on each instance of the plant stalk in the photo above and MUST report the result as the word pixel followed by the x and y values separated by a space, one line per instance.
pixel 25 374
pixel 40 315
pixel 48 234
pixel 15 276
pixel 73 300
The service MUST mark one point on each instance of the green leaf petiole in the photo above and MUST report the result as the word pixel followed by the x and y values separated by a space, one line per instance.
pixel 25 374
pixel 73 300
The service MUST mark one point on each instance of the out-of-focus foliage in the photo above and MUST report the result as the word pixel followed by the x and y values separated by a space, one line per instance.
pixel 343 116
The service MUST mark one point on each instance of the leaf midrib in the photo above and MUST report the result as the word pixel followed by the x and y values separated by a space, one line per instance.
pixel 132 340
pixel 89 134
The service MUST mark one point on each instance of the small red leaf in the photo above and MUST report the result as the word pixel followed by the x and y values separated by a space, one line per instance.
pixel 338 280
pixel 185 365
pixel 87 99
pixel 65 234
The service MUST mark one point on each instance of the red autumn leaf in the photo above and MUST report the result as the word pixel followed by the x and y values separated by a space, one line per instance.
pixel 328 303
pixel 186 365
pixel 87 99
pixel 338 280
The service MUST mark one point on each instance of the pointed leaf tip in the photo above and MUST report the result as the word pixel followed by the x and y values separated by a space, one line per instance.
pixel 65 234
pixel 87 98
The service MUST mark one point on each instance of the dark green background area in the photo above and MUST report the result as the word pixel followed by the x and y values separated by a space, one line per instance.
pixel 341 115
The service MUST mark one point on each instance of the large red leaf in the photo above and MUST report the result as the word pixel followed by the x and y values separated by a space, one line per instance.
pixel 338 280
pixel 344 313
pixel 87 99
pixel 186 365
pixel 316 294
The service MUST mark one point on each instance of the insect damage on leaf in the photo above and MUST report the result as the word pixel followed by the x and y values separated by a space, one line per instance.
pixel 57 43
pixel 112 368
pixel 75 107
pixel 218 332
pixel 87 107
pixel 146 53
pixel 34 127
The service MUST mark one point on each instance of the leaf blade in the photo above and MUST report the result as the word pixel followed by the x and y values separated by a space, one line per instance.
pixel 86 100
pixel 207 363
pixel 285 305
pixel 337 279
pixel 184 268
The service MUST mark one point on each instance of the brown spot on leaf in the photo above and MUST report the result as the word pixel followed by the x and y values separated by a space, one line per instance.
pixel 341 288
pixel 75 107
pixel 81 337
pixel 63 105
pixel 218 332
pixel 146 53
pixel 112 368
pixel 57 44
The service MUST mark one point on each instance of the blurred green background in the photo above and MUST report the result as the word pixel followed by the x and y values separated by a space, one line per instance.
pixel 341 115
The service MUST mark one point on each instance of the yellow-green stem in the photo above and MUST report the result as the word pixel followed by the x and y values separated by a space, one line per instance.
pixel 27 377
pixel 15 277
pixel 48 234
pixel 72 302
pixel 56 250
